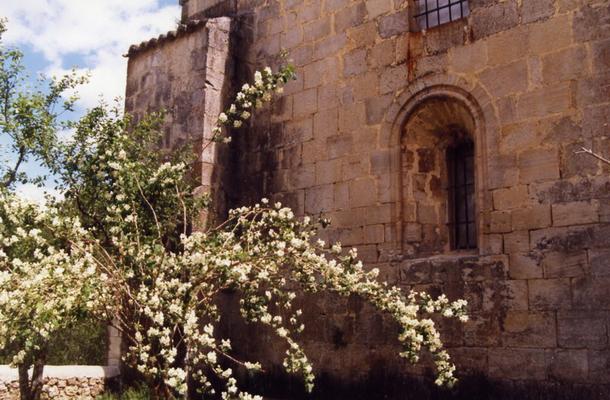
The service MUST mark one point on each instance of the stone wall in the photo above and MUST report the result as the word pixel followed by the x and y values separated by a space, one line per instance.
pixel 185 73
pixel 69 382
pixel 530 81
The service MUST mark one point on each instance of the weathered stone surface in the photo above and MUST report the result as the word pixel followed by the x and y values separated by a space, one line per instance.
pixel 495 18
pixel 394 24
pixel 517 363
pixel 549 294
pixel 529 329
pixel 582 330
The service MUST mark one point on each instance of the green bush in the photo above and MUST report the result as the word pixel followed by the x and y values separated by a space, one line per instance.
pixel 135 393
pixel 84 344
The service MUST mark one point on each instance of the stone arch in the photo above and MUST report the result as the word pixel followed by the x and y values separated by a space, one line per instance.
pixel 472 98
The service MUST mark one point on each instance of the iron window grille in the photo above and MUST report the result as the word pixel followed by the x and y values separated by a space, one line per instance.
pixel 431 13
pixel 462 207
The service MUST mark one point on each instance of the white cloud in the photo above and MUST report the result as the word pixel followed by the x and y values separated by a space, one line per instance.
pixel 94 32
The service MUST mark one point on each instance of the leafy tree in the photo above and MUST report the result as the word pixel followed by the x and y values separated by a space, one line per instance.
pixel 29 117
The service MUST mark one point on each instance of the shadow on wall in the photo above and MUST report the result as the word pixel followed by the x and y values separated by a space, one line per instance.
pixel 385 385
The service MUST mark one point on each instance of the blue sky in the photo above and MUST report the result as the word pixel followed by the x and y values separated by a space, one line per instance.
pixel 91 35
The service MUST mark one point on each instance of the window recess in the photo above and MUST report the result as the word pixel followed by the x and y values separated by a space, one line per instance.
pixel 431 13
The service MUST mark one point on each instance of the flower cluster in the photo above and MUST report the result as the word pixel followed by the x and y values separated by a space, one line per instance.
pixel 49 277
pixel 252 96
pixel 269 257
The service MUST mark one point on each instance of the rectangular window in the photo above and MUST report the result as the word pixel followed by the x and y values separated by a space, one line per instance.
pixel 462 208
pixel 431 13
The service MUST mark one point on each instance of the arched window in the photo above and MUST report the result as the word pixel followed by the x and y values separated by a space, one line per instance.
pixel 461 195
pixel 439 210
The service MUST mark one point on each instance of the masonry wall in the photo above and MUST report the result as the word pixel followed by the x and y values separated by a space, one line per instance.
pixel 529 81
pixel 185 73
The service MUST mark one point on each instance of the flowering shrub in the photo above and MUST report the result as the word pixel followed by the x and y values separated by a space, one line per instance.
pixel 48 280
pixel 121 247
pixel 165 278
pixel 268 257
pixel 252 97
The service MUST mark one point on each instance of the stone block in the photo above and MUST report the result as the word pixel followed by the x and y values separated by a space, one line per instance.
pixel 517 242
pixel 591 22
pixel 599 366
pixel 533 11
pixel 351 16
pixel 392 79
pixel 522 364
pixel 354 62
pixel 511 198
pixel 308 12
pixel 334 5
pixel 314 150
pixel 500 222
pixel 376 8
pixel 591 293
pixel 382 54
pixel 314 74
pixel 582 330
pixel 516 295
pixel 529 329
pixel 524 266
pixel 374 233
pixel 326 122
pixel 486 21
pixel 506 79
pixel 394 24
pixel 339 145
pixel 482 329
pixel 559 264
pixel 533 217
pixel 596 121
pixel 601 56
pixel 600 262
pixel 503 171
pixel 341 195
pixel 291 38
pixel 575 213
pixel 351 236
pixel 507 46
pixel 376 108
pixel 412 232
pixel 563 65
pixel 330 45
pixel 519 136
pixel 550 35
pixel 569 365
pixel 549 294
pixel 328 171
pixel 545 101
pixel 593 90
pixel 352 118
pixel 305 103
pixel 538 165
pixel 365 86
pixel 363 35
pixel 363 192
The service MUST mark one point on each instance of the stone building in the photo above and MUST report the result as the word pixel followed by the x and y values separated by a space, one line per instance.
pixel 442 141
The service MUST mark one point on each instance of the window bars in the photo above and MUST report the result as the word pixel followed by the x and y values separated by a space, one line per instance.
pixel 462 207
pixel 431 13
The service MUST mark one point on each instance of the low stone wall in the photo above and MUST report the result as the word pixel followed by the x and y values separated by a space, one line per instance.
pixel 65 382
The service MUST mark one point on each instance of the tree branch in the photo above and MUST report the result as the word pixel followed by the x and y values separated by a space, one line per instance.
pixel 591 153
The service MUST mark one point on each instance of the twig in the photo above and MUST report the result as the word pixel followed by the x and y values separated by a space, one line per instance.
pixel 591 153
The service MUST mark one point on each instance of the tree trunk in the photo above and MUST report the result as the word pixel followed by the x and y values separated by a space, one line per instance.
pixel 31 389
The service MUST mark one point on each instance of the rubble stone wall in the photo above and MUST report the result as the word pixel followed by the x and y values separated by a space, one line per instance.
pixel 62 383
